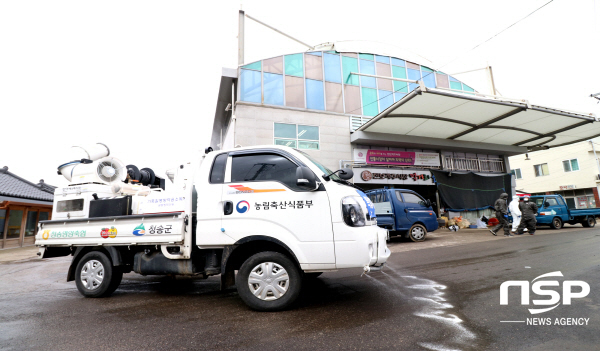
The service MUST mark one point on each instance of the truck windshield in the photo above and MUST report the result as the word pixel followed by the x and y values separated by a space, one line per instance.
pixel 321 167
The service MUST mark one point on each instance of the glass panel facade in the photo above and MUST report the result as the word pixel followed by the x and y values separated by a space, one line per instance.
pixel 333 68
pixel 314 67
pixel 386 99
pixel 349 65
pixel 442 80
pixel 367 67
pixel 398 62
pixel 314 95
pixel 398 96
pixel 366 57
pixel 352 99
pixel 294 65
pixel 333 95
pixel 14 224
pixel 369 102
pixel 399 72
pixel 294 92
pixel 255 66
pixel 273 89
pixel 312 80
pixel 273 65
pixel 308 132
pixel 386 71
pixel 250 89
pixel 31 223
pixel 284 130
pixel 382 59
pixel 413 74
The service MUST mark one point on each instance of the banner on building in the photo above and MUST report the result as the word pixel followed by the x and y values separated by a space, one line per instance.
pixel 392 176
pixel 399 158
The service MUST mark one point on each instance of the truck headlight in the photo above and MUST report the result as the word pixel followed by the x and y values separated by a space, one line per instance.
pixel 352 212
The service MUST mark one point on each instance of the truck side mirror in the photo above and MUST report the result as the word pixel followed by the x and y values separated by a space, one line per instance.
pixel 346 173
pixel 306 179
pixel 546 204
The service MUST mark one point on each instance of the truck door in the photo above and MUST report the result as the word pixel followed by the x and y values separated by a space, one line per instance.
pixel 553 205
pixel 209 204
pixel 416 208
pixel 261 199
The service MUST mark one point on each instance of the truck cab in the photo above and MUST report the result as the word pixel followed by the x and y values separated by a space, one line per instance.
pixel 403 212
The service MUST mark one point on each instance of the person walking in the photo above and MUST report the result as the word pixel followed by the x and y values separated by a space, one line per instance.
pixel 515 212
pixel 501 207
pixel 528 212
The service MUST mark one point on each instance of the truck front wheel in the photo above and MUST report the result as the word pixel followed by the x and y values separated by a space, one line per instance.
pixel 417 232
pixel 556 223
pixel 95 275
pixel 269 281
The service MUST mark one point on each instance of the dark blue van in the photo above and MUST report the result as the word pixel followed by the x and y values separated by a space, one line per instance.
pixel 403 212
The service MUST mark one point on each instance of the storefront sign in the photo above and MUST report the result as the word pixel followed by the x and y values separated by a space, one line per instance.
pixel 567 187
pixel 392 176
pixel 582 202
pixel 401 158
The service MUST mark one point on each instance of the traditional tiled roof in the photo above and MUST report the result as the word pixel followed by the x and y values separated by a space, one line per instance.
pixel 15 186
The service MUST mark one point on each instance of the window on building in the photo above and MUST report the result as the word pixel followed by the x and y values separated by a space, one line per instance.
pixel 263 168
pixel 570 165
pixel 516 173
pixel 296 136
pixel 541 170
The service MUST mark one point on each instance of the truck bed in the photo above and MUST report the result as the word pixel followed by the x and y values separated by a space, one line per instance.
pixel 162 228
pixel 585 212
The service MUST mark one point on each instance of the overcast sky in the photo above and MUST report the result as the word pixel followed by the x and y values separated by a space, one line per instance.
pixel 143 76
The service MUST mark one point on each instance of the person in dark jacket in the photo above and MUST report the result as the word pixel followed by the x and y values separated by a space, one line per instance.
pixel 528 212
pixel 501 207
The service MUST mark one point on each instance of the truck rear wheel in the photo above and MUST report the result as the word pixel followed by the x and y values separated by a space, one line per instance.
pixel 417 232
pixel 589 222
pixel 269 281
pixel 557 223
pixel 95 275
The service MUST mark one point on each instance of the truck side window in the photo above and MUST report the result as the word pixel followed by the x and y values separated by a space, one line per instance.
pixel 539 202
pixel 398 196
pixel 263 167
pixel 560 201
pixel 217 173
pixel 552 201
pixel 413 199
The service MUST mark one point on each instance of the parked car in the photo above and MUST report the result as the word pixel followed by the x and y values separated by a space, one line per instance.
pixel 403 212
pixel 553 211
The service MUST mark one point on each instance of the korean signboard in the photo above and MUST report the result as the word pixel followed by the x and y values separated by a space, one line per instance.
pixel 401 158
pixel 392 176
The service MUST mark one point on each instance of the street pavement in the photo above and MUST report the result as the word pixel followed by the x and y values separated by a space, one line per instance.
pixel 440 294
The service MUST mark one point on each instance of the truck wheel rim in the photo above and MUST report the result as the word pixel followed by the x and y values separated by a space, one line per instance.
pixel 92 274
pixel 268 281
pixel 418 233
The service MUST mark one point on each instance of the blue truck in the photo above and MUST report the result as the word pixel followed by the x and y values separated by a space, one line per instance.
pixel 403 212
pixel 553 212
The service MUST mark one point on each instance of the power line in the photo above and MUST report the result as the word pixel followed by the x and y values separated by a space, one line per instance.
pixel 475 47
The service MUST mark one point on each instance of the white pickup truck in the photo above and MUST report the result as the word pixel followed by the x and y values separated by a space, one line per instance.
pixel 273 214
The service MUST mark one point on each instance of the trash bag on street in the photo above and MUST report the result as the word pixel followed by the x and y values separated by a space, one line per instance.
pixel 480 224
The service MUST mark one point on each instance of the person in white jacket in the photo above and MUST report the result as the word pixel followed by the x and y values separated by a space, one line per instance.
pixel 513 207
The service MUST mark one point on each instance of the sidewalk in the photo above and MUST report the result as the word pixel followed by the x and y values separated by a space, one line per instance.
pixel 21 253
pixel 444 237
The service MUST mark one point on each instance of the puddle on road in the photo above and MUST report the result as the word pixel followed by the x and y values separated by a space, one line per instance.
pixel 431 302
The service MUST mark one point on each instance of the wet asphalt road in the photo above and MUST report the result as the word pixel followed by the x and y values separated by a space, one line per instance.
pixel 442 298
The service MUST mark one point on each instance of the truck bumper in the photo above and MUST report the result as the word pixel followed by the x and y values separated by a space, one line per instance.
pixel 360 247
pixel 383 253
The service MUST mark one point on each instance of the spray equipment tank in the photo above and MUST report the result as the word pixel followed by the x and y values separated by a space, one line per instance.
pixel 93 165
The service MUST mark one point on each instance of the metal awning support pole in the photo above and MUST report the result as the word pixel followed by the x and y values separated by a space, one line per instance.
pixel 595 156
pixel 241 38
pixel 280 32
pixel 491 78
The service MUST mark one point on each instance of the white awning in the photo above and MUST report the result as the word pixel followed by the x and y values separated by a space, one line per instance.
pixel 474 117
